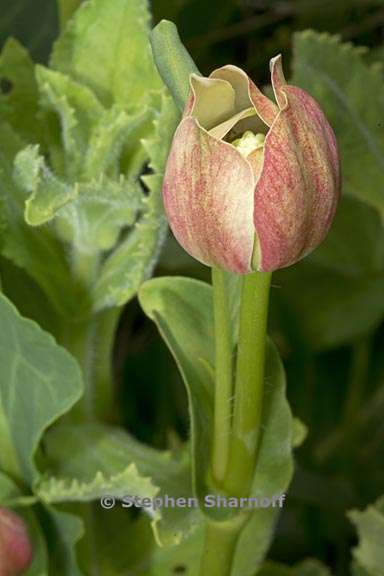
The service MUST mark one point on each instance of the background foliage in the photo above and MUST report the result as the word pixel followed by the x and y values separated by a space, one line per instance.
pixel 326 313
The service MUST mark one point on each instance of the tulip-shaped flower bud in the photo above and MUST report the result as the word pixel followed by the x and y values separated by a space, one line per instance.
pixel 15 546
pixel 251 184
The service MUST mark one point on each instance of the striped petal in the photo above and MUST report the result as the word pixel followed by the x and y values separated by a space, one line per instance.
pixel 208 195
pixel 298 189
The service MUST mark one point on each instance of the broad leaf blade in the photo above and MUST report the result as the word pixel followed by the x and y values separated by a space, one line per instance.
pixel 338 77
pixel 182 310
pixel 105 46
pixel 40 381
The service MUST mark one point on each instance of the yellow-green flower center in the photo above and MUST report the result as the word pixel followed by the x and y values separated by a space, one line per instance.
pixel 248 142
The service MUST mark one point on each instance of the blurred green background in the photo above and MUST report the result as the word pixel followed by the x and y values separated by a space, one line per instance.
pixel 335 378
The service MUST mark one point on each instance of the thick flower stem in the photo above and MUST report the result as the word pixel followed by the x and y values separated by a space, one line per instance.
pixel 219 546
pixel 249 384
pixel 223 376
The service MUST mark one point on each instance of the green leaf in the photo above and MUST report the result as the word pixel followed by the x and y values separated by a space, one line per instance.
pixel 66 9
pixel 39 382
pixel 65 530
pixel 355 243
pixel 29 248
pixel 133 260
pixel 344 276
pixel 358 570
pixel 19 106
pixel 338 76
pixel 88 215
pixel 182 309
pixel 173 62
pixel 40 562
pixel 131 548
pixel 105 46
pixel 300 432
pixel 93 138
pixel 344 310
pixel 181 559
pixel 77 110
pixel 85 462
pixel 369 554
pixel 9 491
pixel 48 194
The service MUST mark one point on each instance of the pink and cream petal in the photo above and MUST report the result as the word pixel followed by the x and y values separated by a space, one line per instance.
pixel 208 197
pixel 298 189
pixel 278 81
pixel 247 93
pixel 214 101
pixel 220 131
pixel 255 158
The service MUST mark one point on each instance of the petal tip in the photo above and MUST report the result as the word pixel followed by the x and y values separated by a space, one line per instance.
pixel 278 80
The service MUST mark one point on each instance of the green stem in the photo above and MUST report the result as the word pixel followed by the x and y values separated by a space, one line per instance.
pixel 103 381
pixel 219 546
pixel 91 343
pixel 249 385
pixel 223 376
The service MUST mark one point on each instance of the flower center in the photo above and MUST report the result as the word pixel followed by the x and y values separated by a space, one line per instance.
pixel 248 143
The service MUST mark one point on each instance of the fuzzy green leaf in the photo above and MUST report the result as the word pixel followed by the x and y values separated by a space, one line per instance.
pixel 30 248
pixel 39 382
pixel 48 193
pixel 105 46
pixel 369 554
pixel 107 461
pixel 133 260
pixel 88 215
pixel 77 111
pixel 339 78
pixel 174 63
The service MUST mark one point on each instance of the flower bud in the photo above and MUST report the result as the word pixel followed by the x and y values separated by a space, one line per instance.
pixel 251 184
pixel 15 545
